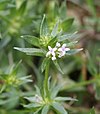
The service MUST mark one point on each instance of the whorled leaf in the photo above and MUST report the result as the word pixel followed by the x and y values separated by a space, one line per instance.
pixel 45 109
pixel 44 63
pixel 22 8
pixel 70 36
pixel 55 30
pixel 25 79
pixel 31 51
pixel 65 99
pixel 62 10
pixel 59 108
pixel 4 42
pixel 32 105
pixel 57 66
pixel 14 69
pixel 71 43
pixel 54 91
pixel 31 99
pixel 52 42
pixel 44 30
pixel 73 51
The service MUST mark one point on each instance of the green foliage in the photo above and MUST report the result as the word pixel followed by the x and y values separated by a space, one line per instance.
pixel 66 24
pixel 44 104
pixel 61 75
pixel 48 39
pixel 12 80
pixel 31 39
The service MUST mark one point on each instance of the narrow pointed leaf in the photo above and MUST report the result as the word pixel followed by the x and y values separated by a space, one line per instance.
pixel 44 30
pixel 15 68
pixel 65 25
pixel 63 10
pixel 55 30
pixel 38 90
pixel 2 88
pixel 45 109
pixel 71 37
pixel 73 51
pixel 37 111
pixel 31 51
pixel 25 79
pixel 4 42
pixel 71 43
pixel 57 66
pixel 52 41
pixel 57 106
pixel 44 63
pixel 55 91
pixel 32 105
pixel 22 8
pixel 31 99
pixel 32 40
pixel 65 99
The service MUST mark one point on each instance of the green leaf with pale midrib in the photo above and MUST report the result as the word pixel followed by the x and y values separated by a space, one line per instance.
pixel 31 51
pixel 32 105
pixel 65 99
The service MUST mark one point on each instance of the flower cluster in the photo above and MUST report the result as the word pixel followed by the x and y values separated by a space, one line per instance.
pixel 58 51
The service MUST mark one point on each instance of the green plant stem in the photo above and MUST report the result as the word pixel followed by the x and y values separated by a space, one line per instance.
pixel 46 86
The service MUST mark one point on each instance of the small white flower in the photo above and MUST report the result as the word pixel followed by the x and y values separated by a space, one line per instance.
pixel 58 44
pixel 51 51
pixel 53 58
pixel 62 50
pixel 57 51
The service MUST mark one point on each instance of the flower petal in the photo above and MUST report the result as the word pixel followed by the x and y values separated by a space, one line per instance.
pixel 54 49
pixel 48 53
pixel 49 47
pixel 67 49
pixel 53 58
pixel 64 45
pixel 53 53
pixel 58 44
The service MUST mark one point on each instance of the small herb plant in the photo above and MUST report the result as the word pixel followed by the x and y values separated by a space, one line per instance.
pixel 12 79
pixel 52 46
